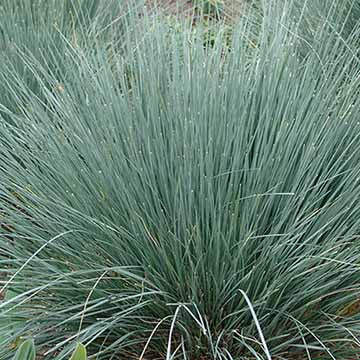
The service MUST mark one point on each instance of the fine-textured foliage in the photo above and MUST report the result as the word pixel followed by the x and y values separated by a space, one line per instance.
pixel 46 29
pixel 165 199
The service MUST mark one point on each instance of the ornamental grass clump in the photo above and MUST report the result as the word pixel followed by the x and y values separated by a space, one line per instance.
pixel 179 201
pixel 46 28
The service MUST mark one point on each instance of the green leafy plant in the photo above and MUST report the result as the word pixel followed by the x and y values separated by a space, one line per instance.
pixel 79 353
pixel 27 351
pixel 210 8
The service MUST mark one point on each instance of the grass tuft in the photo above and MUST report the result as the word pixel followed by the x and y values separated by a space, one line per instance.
pixel 161 198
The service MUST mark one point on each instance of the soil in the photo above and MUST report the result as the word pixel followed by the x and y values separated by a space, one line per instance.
pixel 187 8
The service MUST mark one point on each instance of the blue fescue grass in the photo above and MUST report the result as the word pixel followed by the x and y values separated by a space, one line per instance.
pixel 166 199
